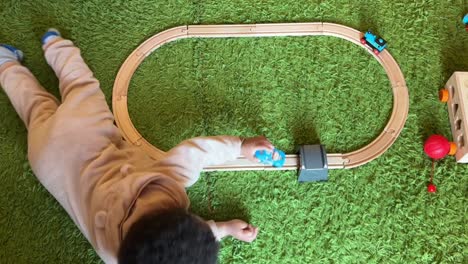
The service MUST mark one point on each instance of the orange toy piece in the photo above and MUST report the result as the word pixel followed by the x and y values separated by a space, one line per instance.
pixel 453 149
pixel 443 95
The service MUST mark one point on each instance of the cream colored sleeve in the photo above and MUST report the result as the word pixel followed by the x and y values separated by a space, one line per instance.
pixel 218 234
pixel 187 160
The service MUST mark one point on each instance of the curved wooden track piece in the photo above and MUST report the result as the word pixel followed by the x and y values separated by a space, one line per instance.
pixel 335 161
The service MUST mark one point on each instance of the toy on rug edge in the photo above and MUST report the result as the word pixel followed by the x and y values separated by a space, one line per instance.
pixel 455 95
pixel 437 147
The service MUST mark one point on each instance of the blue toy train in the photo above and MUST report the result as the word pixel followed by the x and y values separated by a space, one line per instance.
pixel 266 157
pixel 376 43
pixel 465 21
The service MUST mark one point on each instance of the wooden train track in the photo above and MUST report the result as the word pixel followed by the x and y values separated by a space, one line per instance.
pixel 335 161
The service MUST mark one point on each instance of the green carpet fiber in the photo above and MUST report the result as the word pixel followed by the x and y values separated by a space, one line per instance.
pixel 294 90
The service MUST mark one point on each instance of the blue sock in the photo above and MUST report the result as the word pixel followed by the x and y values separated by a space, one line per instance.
pixel 51 34
pixel 9 53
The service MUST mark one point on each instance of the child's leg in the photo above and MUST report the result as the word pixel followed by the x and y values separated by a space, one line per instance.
pixel 31 101
pixel 78 87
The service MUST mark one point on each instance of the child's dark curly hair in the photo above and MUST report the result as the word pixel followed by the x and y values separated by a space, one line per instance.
pixel 172 236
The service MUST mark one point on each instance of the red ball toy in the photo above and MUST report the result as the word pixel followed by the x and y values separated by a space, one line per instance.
pixel 438 146
pixel 431 188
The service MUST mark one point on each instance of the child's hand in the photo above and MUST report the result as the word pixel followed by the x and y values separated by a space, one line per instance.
pixel 251 145
pixel 241 230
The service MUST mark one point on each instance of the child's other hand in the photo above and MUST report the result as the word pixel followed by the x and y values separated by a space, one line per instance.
pixel 251 145
pixel 241 230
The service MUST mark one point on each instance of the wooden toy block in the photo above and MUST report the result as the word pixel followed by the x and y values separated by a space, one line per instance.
pixel 457 102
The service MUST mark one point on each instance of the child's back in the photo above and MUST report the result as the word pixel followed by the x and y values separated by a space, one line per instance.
pixel 118 196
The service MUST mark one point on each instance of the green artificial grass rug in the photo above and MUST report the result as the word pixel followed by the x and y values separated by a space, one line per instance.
pixel 294 90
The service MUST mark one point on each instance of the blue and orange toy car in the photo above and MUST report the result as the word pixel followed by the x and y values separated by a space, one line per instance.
pixel 376 43
pixel 269 158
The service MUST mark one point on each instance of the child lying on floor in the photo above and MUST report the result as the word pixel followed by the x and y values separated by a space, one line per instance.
pixel 131 208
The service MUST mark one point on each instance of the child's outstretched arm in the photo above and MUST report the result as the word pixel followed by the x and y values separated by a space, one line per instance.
pixel 187 160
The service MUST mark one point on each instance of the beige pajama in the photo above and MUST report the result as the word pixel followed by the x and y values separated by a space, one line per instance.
pixel 78 154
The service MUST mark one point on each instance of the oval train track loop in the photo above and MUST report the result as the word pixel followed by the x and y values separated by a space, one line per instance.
pixel 335 160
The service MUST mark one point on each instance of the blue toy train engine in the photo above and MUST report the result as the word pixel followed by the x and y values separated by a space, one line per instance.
pixel 376 43
pixel 465 21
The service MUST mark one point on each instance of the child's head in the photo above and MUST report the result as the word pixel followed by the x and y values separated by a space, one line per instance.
pixel 172 236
